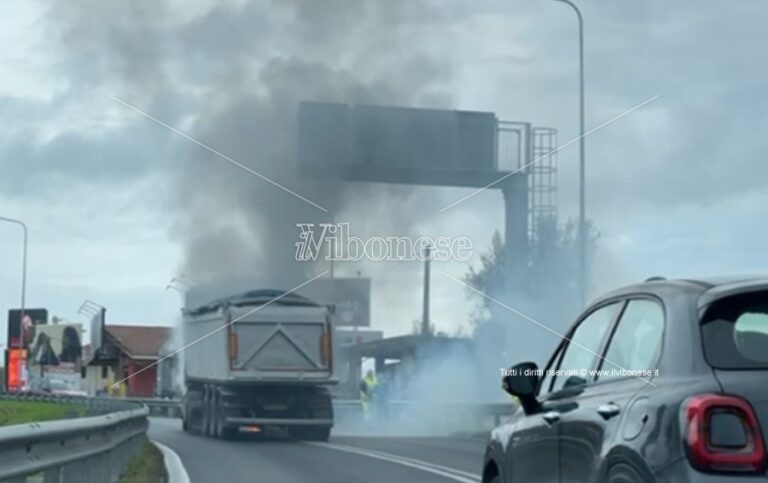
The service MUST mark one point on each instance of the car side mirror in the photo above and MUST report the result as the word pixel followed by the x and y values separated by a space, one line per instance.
pixel 574 382
pixel 521 381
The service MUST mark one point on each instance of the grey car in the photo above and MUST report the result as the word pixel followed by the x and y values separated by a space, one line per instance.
pixel 663 381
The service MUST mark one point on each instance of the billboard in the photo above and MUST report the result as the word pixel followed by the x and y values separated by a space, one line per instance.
pixel 396 144
pixel 56 345
pixel 351 296
pixel 21 332
pixel 348 336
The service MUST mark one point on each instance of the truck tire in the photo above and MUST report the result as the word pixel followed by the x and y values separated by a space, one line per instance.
pixel 191 417
pixel 221 430
pixel 216 422
pixel 310 433
pixel 185 415
pixel 206 411
pixel 228 432
pixel 225 431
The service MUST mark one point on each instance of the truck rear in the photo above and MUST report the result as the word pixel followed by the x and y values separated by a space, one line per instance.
pixel 259 360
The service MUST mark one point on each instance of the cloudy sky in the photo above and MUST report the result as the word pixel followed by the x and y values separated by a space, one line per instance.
pixel 117 205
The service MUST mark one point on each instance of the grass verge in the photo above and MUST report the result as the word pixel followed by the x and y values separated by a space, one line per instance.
pixel 20 412
pixel 146 467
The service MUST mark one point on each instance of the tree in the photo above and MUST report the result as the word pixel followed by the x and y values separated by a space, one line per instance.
pixel 550 296
pixel 416 328
pixel 487 279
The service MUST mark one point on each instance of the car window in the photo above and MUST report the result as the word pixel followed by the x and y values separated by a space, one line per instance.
pixel 585 342
pixel 735 332
pixel 635 344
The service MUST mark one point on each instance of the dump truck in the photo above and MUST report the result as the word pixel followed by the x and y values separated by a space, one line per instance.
pixel 259 361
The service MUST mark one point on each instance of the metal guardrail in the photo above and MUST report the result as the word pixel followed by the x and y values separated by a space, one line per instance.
pixel 96 447
pixel 168 408
pixel 93 406
pixel 90 449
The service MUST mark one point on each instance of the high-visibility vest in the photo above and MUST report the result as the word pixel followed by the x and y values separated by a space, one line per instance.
pixel 370 384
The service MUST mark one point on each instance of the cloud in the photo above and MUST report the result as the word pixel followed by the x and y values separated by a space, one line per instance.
pixel 37 168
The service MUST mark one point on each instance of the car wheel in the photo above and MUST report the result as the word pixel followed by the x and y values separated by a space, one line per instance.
pixel 627 473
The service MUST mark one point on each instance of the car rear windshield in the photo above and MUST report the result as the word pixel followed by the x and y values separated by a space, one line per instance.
pixel 735 332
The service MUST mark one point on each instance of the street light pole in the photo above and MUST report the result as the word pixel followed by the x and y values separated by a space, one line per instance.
pixel 582 169
pixel 425 323
pixel 23 263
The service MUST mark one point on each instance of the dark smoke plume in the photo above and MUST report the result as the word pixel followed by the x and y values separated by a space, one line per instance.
pixel 232 77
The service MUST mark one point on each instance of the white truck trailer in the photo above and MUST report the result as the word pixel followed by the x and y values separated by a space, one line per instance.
pixel 262 359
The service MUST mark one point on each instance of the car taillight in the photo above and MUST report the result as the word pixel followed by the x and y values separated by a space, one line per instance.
pixel 722 434
pixel 232 348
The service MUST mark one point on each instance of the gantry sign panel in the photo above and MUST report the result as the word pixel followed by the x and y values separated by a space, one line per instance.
pixel 397 144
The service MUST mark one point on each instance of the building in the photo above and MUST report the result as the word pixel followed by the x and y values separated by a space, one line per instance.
pixel 170 382
pixel 128 356
pixel 347 371
pixel 405 361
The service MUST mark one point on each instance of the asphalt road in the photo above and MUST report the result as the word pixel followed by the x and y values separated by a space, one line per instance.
pixel 344 459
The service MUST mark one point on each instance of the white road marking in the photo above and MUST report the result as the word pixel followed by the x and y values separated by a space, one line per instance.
pixel 173 465
pixel 450 473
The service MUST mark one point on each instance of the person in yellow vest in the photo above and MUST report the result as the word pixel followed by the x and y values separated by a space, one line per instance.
pixel 367 386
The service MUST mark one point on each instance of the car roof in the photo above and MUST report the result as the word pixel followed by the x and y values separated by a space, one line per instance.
pixel 716 281
pixel 705 289
pixel 732 287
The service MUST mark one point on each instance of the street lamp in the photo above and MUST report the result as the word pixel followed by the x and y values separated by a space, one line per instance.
pixel 23 263
pixel 582 201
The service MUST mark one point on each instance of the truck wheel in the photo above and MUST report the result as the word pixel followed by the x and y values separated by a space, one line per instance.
pixel 186 413
pixel 228 432
pixel 319 434
pixel 216 422
pixel 206 410
pixel 195 413
pixel 184 416
pixel 223 430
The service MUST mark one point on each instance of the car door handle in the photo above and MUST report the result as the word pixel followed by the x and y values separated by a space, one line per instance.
pixel 551 417
pixel 607 411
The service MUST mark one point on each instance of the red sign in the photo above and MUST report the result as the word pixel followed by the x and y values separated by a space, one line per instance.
pixel 15 369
